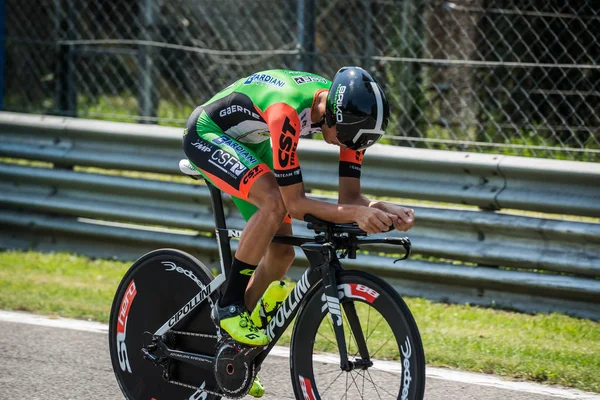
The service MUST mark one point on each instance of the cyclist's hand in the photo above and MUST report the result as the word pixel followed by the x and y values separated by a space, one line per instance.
pixel 336 141
pixel 405 217
pixel 330 136
pixel 373 220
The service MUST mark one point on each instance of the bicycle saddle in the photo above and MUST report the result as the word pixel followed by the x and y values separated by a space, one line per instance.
pixel 186 167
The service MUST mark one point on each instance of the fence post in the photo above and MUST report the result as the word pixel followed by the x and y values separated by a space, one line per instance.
pixel 66 102
pixel 453 36
pixel 411 45
pixel 2 49
pixel 148 77
pixel 306 35
pixel 368 21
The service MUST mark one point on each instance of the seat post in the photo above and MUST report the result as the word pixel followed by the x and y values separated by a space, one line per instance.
pixel 217 205
pixel 223 239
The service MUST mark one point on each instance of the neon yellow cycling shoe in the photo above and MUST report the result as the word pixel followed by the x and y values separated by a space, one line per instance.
pixel 235 320
pixel 257 389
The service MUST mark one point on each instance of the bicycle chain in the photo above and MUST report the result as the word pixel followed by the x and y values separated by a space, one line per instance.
pixel 197 388
pixel 206 390
pixel 205 335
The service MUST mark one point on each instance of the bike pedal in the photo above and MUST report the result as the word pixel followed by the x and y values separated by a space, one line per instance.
pixel 219 334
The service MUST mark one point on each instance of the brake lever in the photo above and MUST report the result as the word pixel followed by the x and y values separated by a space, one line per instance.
pixel 405 242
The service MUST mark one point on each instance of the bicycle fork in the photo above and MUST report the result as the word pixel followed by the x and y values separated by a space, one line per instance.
pixel 324 256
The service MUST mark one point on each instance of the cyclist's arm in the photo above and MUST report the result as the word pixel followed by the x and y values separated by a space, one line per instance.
pixel 284 126
pixel 349 181
pixel 349 191
pixel 299 205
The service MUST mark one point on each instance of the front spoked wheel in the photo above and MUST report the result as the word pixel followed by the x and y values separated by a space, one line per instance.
pixel 382 340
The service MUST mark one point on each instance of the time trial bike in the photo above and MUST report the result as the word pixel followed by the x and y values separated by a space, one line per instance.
pixel 353 336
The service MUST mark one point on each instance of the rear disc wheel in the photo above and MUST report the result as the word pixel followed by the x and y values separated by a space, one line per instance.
pixel 152 292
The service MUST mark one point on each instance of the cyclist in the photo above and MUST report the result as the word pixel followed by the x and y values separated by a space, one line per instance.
pixel 244 139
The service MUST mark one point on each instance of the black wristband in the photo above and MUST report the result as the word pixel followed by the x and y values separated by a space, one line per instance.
pixel 349 169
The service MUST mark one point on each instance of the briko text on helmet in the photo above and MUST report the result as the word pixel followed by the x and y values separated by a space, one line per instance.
pixel 339 96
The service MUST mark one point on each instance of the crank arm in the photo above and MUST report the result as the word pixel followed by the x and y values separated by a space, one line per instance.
pixel 198 360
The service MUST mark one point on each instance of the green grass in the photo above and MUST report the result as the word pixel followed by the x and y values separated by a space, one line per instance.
pixel 124 108
pixel 58 284
pixel 553 348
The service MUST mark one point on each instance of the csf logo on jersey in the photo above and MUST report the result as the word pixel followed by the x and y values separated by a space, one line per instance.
pixel 287 145
pixel 301 80
pixel 227 163
pixel 253 173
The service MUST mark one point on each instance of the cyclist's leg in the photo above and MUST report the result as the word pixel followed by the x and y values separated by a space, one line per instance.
pixel 274 264
pixel 236 170
pixel 276 261
pixel 278 258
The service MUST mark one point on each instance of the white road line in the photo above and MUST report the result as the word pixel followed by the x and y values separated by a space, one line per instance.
pixel 432 372
pixel 42 320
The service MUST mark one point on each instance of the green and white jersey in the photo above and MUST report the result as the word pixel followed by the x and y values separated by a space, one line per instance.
pixel 275 105
pixel 239 110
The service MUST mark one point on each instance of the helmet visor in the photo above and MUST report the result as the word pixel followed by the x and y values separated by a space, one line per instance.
pixel 365 138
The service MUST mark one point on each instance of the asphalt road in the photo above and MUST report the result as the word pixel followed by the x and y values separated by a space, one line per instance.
pixel 40 362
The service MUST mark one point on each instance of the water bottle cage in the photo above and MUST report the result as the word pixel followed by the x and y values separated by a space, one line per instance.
pixel 266 316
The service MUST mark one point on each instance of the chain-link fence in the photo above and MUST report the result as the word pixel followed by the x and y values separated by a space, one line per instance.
pixel 503 76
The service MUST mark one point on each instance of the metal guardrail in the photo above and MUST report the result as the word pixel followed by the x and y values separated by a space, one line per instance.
pixel 61 209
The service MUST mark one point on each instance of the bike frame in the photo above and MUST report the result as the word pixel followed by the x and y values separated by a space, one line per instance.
pixel 324 267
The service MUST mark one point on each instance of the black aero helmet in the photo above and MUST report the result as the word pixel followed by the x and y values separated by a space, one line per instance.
pixel 358 107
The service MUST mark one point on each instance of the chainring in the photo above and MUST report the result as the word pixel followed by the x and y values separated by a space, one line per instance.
pixel 234 367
